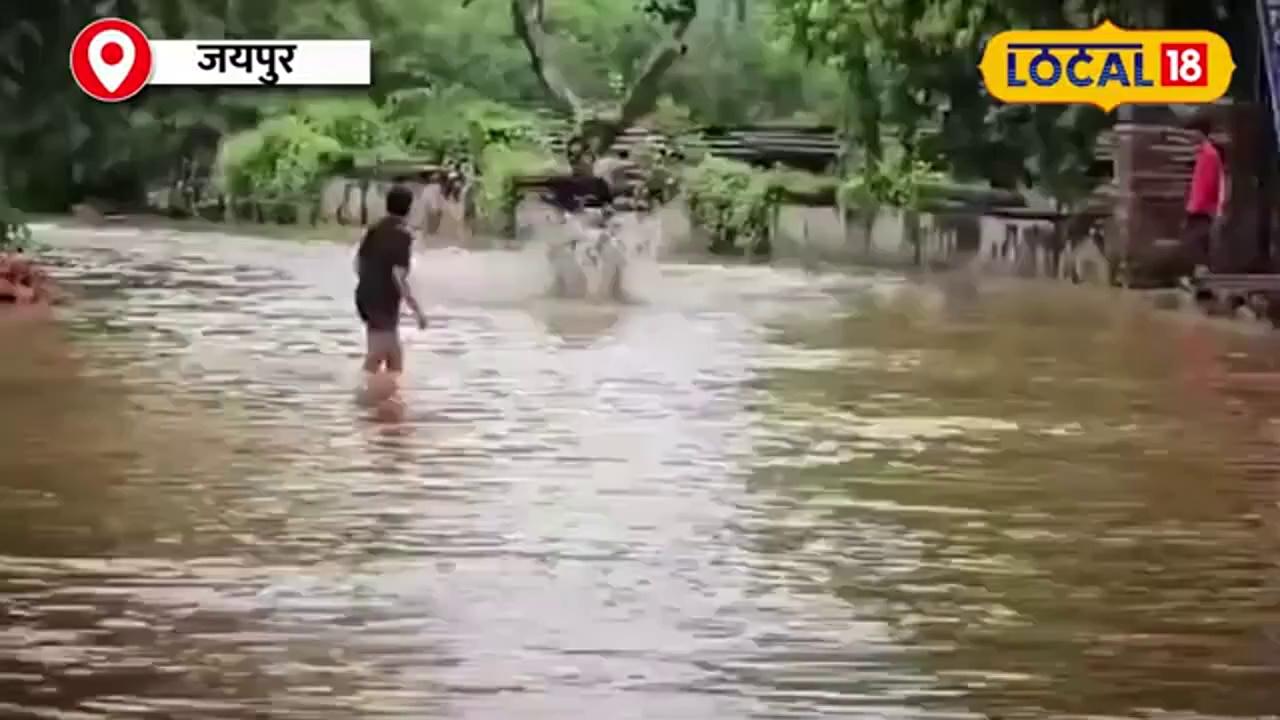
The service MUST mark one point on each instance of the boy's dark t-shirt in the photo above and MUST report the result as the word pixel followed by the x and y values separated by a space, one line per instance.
pixel 385 246
pixel 574 193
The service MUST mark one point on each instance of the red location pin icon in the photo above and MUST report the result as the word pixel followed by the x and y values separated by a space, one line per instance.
pixel 111 60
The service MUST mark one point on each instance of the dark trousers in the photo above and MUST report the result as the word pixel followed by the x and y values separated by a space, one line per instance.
pixel 1197 239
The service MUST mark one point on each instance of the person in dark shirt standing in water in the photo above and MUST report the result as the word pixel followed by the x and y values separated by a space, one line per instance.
pixel 382 265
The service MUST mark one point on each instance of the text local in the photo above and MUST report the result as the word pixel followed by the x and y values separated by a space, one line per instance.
pixel 1046 69
pixel 217 57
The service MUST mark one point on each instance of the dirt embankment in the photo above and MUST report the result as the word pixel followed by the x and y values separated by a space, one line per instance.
pixel 23 283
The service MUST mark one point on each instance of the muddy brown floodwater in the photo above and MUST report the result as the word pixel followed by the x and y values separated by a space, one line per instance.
pixel 755 494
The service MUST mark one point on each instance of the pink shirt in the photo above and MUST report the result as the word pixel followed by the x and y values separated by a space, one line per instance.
pixel 1205 197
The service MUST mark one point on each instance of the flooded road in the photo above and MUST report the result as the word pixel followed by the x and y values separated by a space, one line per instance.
pixel 757 494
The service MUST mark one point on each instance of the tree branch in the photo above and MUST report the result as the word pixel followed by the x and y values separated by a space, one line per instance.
pixel 642 96
pixel 527 17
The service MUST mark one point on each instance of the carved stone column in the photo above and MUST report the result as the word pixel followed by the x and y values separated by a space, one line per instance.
pixel 1148 210
pixel 1237 247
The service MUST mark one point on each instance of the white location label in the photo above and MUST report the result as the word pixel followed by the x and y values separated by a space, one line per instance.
pixel 106 47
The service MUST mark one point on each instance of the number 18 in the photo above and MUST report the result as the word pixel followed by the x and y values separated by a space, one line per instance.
pixel 1183 65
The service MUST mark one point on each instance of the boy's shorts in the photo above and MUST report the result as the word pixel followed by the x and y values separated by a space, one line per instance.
pixel 382 325
pixel 378 316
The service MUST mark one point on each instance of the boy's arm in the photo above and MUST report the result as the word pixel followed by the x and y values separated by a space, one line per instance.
pixel 401 275
pixel 355 257
pixel 400 271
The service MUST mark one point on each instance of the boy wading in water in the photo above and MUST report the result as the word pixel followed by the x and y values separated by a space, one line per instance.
pixel 382 265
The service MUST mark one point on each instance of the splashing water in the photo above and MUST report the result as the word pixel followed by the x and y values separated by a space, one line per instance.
pixel 587 257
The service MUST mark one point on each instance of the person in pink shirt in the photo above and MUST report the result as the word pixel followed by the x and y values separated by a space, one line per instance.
pixel 1205 197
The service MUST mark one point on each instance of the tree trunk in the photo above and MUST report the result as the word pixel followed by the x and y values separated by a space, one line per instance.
pixel 600 132
pixel 526 17
pixel 867 98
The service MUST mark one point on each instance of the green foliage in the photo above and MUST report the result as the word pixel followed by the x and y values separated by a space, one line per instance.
pixel 507 144
pixel 736 202
pixel 357 125
pixel 283 157
pixel 669 117
pixel 455 123
pixel 911 75
pixel 738 71
pixel 902 184
pixel 432 123
pixel 442 69
pixel 490 123
pixel 290 154
pixel 732 201
pixel 52 137
pixel 448 75
pixel 504 143
pixel 500 166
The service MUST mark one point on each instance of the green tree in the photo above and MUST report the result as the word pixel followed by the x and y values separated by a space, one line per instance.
pixel 598 124
pixel 604 63
pixel 911 70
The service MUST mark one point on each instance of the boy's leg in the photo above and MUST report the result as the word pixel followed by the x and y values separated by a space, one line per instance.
pixel 372 361
pixel 382 367
pixel 1199 239
pixel 393 353
pixel 384 351
pixel 373 358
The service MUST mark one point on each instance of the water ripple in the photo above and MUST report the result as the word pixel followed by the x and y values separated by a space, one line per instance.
pixel 759 494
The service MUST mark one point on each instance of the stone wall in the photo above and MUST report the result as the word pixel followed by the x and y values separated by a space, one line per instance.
pixel 1152 167
pixel 1027 247
pixel 1007 245
pixel 1024 246
pixel 357 202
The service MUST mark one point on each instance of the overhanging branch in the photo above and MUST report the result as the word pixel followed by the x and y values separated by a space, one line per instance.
pixel 642 96
pixel 528 21
pixel 527 17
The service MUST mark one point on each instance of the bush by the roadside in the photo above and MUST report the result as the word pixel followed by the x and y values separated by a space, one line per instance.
pixel 903 184
pixel 283 161
pixel 500 167
pixel 283 157
pixel 735 202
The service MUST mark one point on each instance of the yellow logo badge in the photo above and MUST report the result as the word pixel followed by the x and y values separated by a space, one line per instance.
pixel 1107 66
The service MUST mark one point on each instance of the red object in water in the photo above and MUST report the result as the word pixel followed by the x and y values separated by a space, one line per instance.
pixel 23 283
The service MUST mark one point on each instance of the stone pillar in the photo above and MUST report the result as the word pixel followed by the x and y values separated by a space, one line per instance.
pixel 1237 248
pixel 1123 218
pixel 1147 218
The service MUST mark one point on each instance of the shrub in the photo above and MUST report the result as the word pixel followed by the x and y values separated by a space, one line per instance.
pixel 736 203
pixel 499 168
pixel 283 160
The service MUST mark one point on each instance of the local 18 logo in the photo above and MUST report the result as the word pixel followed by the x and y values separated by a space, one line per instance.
pixel 1107 66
